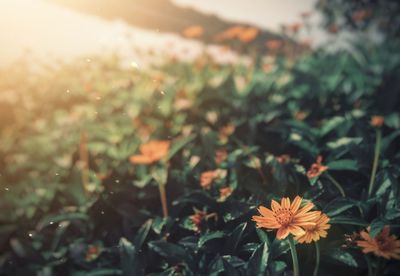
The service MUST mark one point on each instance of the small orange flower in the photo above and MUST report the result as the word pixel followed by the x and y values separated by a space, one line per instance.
pixel 300 115
pixel 151 152
pixel 316 169
pixel 224 193
pixel 207 178
pixel 199 217
pixel 248 35
pixel 314 233
pixel 220 156
pixel 287 218
pixel 383 245
pixel 333 29
pixel 232 32
pixel 92 252
pixel 377 121
pixel 295 27
pixel 360 15
pixel 283 159
pixel 273 44
pixel 194 31
pixel 225 132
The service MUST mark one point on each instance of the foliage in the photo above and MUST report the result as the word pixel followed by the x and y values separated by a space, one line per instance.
pixel 57 221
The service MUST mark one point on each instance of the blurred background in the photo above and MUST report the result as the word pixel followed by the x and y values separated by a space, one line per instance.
pixel 64 29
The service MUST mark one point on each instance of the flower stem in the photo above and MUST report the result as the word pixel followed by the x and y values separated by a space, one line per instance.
pixel 294 256
pixel 84 161
pixel 338 186
pixel 317 259
pixel 368 261
pixel 163 197
pixel 375 162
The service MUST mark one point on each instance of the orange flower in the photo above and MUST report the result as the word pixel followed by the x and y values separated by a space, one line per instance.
pixel 199 217
pixel 151 152
pixel 314 233
pixel 224 193
pixel 207 178
pixel 273 44
pixel 287 218
pixel 383 245
pixel 295 27
pixel 283 159
pixel 220 156
pixel 333 29
pixel 300 115
pixel 225 132
pixel 360 15
pixel 92 252
pixel 377 121
pixel 248 35
pixel 316 169
pixel 194 31
pixel 232 32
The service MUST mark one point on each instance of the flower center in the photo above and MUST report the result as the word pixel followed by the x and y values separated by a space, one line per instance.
pixel 283 216
pixel 383 244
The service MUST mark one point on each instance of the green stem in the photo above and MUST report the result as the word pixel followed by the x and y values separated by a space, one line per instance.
pixel 368 265
pixel 294 257
pixel 317 259
pixel 379 267
pixel 375 162
pixel 338 186
pixel 163 197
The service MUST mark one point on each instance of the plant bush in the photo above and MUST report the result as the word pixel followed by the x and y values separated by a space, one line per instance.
pixel 75 202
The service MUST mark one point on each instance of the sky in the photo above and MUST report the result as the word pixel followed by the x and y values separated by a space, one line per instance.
pixel 269 14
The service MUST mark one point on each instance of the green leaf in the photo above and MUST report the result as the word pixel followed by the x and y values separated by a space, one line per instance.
pixel 142 234
pixel 229 269
pixel 344 141
pixel 172 252
pixel 98 272
pixel 279 247
pixel 258 261
pixel 210 236
pixel 342 257
pixel 330 125
pixel 338 206
pixel 127 253
pixel 178 145
pixel 262 235
pixel 344 164
pixel 348 221
pixel 49 220
pixel 376 227
pixel 235 237
pixel 277 267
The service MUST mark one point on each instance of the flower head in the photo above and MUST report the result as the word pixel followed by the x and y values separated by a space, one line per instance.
pixel 287 217
pixel 207 177
pixel 151 152
pixel 273 44
pixel 314 233
pixel 220 156
pixel 248 35
pixel 377 121
pixel 383 245
pixel 224 193
pixel 194 31
pixel 283 159
pixel 92 252
pixel 317 168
